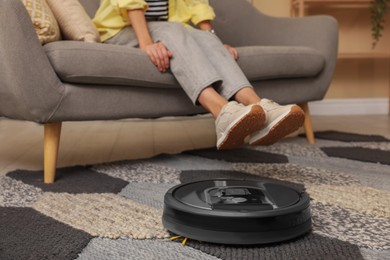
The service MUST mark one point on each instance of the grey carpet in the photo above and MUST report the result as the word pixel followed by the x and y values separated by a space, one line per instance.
pixel 349 137
pixel 359 154
pixel 113 210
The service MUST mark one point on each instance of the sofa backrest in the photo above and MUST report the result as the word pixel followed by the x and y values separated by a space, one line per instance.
pixel 232 16
pixel 90 6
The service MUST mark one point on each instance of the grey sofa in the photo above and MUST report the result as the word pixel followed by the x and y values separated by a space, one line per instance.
pixel 289 60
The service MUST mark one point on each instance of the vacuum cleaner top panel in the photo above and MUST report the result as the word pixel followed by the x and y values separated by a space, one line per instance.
pixel 235 196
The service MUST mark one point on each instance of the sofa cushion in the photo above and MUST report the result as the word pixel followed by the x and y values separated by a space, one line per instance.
pixel 90 6
pixel 44 22
pixel 73 20
pixel 106 64
pixel 274 62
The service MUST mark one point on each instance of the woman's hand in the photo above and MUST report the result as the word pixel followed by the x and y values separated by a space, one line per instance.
pixel 158 54
pixel 156 51
pixel 232 51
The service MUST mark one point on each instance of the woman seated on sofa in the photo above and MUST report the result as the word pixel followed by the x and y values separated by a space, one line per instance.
pixel 204 67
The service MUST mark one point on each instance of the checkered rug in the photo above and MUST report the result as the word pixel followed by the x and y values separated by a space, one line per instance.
pixel 113 210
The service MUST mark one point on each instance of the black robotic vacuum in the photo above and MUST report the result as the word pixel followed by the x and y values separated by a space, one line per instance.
pixel 236 212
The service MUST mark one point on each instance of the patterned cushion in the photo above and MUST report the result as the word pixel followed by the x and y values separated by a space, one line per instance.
pixel 43 20
pixel 74 22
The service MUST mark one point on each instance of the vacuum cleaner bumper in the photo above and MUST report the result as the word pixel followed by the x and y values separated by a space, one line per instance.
pixel 236 212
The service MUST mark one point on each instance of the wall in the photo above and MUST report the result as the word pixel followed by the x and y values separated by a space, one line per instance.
pixel 354 78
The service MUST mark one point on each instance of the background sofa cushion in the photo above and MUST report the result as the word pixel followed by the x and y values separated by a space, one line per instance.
pixel 45 24
pixel 106 64
pixel 275 62
pixel 74 21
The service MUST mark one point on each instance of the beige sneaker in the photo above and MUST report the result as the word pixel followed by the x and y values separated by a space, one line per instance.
pixel 280 121
pixel 235 122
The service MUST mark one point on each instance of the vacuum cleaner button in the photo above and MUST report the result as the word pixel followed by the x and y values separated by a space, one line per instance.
pixel 239 200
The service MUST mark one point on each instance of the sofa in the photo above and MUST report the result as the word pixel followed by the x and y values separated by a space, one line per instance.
pixel 289 60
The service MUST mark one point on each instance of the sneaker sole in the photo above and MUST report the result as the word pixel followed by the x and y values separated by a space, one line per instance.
pixel 241 128
pixel 289 122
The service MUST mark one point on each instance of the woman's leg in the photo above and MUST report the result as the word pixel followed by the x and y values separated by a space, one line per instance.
pixel 201 80
pixel 235 85
pixel 280 120
pixel 247 96
pixel 234 121
pixel 198 78
pixel 189 65
pixel 212 101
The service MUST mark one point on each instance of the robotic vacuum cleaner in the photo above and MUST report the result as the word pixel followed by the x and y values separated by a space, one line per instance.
pixel 236 212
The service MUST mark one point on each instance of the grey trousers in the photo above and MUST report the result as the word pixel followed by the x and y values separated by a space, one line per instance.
pixel 199 58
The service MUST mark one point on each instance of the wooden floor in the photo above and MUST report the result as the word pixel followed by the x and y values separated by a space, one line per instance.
pixel 21 143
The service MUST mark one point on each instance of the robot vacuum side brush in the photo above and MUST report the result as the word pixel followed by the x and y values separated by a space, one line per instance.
pixel 236 212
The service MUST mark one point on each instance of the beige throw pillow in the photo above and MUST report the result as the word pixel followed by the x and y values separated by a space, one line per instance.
pixel 43 20
pixel 74 21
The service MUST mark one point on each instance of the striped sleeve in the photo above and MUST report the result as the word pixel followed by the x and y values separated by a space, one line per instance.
pixel 157 8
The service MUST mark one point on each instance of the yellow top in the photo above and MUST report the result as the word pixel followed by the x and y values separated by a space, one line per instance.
pixel 111 16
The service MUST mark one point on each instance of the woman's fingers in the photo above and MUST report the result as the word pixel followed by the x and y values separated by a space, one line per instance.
pixel 159 59
pixel 232 51
pixel 159 55
pixel 163 55
pixel 235 53
pixel 152 56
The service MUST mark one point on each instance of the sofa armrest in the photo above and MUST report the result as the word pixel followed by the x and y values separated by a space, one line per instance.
pixel 240 24
pixel 317 32
pixel 29 87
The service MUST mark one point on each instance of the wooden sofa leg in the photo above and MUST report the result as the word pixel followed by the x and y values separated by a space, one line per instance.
pixel 308 125
pixel 51 144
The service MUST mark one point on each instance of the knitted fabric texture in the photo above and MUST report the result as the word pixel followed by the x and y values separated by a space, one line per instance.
pixel 114 210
